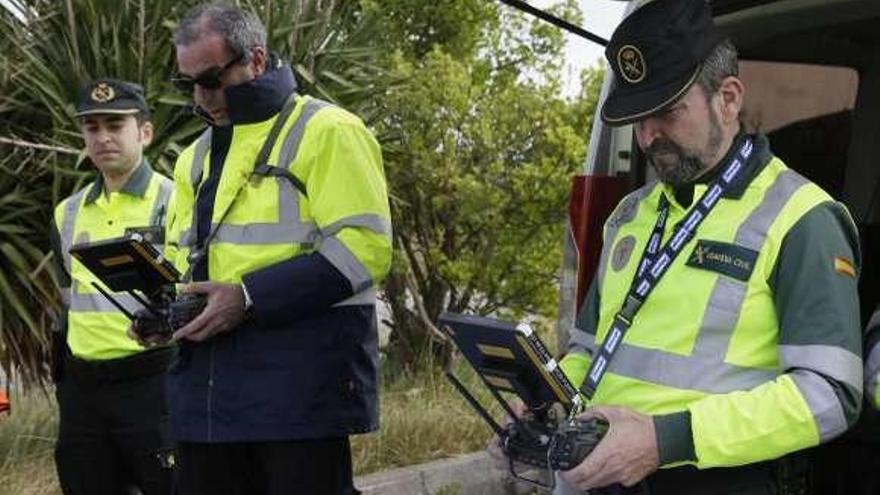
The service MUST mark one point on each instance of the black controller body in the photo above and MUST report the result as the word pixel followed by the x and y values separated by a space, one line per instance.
pixel 170 314
pixel 561 448
pixel 184 309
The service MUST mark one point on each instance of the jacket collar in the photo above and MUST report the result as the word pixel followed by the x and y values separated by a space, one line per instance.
pixel 136 185
pixel 261 98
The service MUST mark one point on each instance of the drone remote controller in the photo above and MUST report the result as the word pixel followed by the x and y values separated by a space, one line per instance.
pixel 561 449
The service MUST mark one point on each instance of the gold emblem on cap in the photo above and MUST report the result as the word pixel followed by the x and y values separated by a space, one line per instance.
pixel 103 93
pixel 631 63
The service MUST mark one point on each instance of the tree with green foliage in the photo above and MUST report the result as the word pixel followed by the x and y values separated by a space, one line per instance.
pixel 481 153
pixel 51 48
pixel 415 27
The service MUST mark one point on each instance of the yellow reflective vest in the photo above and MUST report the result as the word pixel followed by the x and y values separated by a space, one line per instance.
pixel 708 343
pixel 96 330
pixel 268 220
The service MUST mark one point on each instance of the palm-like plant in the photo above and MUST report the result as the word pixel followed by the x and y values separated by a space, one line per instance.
pixel 331 46
pixel 54 47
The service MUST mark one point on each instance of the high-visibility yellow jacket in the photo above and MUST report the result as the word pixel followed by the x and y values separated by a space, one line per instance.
pixel 96 330
pixel 714 343
pixel 305 364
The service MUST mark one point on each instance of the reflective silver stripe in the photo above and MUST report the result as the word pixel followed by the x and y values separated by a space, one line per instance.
pixel 251 234
pixel 203 145
pixel 686 372
pixel 872 371
pixel 719 320
pixel 160 204
pixel 753 232
pixel 831 361
pixel 704 369
pixel 188 238
pixel 347 263
pixel 364 298
pixel 200 153
pixel 376 223
pixel 823 403
pixel 71 208
pixel 290 148
pixel 95 302
pixel 582 339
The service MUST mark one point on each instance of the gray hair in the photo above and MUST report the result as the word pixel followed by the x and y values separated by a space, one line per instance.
pixel 241 30
pixel 721 62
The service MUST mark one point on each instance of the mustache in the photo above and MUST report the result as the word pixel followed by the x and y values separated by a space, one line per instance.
pixel 661 145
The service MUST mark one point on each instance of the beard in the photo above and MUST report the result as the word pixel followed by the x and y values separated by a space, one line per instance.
pixel 675 165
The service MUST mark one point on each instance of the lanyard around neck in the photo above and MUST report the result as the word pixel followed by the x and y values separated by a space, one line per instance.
pixel 656 261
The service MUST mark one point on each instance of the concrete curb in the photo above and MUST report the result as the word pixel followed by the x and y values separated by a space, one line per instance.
pixel 469 474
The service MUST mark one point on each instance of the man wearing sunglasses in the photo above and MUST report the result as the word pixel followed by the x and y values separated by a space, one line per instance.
pixel 282 221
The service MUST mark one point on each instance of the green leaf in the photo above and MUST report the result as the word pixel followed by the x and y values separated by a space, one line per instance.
pixel 10 297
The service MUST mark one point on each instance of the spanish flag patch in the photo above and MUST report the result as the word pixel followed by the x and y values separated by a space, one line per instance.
pixel 844 266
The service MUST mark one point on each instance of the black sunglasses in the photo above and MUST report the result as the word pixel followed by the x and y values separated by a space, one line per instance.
pixel 208 78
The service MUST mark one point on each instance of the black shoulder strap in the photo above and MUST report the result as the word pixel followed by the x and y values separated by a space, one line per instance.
pixel 272 137
pixel 267 170
pixel 262 166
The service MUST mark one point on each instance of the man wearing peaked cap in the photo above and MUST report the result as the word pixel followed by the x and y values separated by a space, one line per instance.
pixel 656 55
pixel 720 337
pixel 111 97
pixel 111 394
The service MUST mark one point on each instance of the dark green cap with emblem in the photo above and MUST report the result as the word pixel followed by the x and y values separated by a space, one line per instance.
pixel 656 54
pixel 112 96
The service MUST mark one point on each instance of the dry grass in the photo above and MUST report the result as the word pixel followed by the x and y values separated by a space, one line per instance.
pixel 27 439
pixel 423 419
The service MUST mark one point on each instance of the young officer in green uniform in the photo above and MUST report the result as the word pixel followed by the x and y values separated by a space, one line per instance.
pixel 720 335
pixel 112 430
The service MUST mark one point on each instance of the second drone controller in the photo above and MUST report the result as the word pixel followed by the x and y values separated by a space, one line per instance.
pixel 574 440
pixel 184 309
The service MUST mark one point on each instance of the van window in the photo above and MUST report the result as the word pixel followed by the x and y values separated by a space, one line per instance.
pixel 780 94
pixel 807 113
